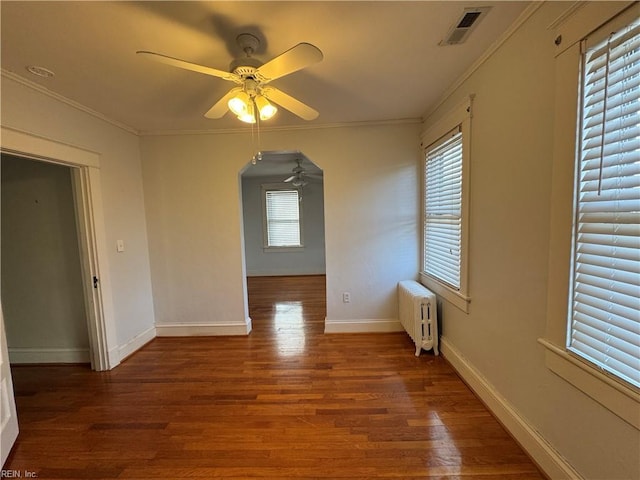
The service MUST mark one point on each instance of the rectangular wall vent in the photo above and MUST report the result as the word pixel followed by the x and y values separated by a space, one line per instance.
pixel 465 24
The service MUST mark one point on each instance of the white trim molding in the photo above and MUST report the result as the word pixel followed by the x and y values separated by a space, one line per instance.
pixel 493 48
pixel 539 449
pixel 283 128
pixel 581 18
pixel 459 117
pixel 16 142
pixel 447 293
pixel 591 19
pixel 284 271
pixel 67 101
pixel 605 389
pixel 376 325
pixel 203 329
pixel 91 232
pixel 213 131
pixel 136 343
pixel 49 355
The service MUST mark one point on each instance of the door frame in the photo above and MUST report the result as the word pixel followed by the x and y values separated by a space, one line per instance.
pixel 8 417
pixel 85 167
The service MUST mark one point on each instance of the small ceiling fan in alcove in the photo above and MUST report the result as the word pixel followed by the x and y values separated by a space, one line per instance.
pixel 251 98
pixel 298 179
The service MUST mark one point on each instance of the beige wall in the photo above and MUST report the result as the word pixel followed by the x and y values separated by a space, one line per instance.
pixel 192 197
pixel 187 229
pixel 510 181
pixel 30 111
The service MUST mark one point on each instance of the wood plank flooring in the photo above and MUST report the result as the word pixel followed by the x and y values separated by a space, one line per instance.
pixel 286 402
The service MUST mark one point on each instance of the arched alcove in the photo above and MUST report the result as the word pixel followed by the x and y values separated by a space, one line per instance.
pixel 277 177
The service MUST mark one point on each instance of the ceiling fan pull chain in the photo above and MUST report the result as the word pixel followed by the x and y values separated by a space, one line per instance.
pixel 258 125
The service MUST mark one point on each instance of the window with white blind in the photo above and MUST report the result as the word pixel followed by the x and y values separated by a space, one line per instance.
pixel 282 219
pixel 443 209
pixel 592 286
pixel 445 206
pixel 604 313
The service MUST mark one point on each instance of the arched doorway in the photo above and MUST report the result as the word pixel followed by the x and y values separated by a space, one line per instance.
pixel 284 239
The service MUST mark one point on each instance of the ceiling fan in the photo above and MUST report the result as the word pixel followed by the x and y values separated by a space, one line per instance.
pixel 251 98
pixel 299 174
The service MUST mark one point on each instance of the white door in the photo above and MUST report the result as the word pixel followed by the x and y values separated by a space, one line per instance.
pixel 8 417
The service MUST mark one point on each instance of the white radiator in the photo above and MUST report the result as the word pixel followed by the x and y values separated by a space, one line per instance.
pixel 418 314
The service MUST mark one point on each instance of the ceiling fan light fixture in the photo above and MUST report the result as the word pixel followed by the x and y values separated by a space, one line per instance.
pixel 249 115
pixel 266 109
pixel 239 104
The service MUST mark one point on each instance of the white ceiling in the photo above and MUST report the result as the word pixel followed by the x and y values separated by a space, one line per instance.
pixel 381 61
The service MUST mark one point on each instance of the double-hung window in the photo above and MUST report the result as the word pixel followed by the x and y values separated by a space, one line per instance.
pixel 282 217
pixel 592 338
pixel 445 207
pixel 604 313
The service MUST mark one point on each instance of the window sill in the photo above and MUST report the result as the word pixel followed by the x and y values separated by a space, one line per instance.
pixel 445 292
pixel 620 399
pixel 283 249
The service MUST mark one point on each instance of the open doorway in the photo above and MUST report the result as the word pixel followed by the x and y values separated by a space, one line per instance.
pixel 43 299
pixel 284 240
pixel 85 178
pixel 86 181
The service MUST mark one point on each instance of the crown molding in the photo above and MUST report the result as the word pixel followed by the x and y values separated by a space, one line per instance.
pixel 284 128
pixel 67 101
pixel 574 7
pixel 495 46
pixel 214 131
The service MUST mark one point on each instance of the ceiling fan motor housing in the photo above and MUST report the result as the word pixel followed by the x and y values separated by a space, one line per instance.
pixel 246 66
pixel 248 43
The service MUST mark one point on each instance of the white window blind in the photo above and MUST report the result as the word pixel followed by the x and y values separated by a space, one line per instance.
pixel 604 323
pixel 443 209
pixel 283 218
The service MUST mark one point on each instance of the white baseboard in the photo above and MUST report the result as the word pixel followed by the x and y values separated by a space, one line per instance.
pixel 284 273
pixel 364 325
pixel 49 355
pixel 113 357
pixel 136 343
pixel 203 330
pixel 547 458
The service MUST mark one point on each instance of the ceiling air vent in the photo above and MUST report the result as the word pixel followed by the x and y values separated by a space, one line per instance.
pixel 465 24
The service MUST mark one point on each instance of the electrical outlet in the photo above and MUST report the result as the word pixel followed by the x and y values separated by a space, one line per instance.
pixel 346 297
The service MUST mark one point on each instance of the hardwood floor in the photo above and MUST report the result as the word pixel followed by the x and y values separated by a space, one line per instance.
pixel 285 402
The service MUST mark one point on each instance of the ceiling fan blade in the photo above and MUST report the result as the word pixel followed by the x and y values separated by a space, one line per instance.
pixel 291 178
pixel 289 103
pixel 194 67
pixel 294 59
pixel 220 107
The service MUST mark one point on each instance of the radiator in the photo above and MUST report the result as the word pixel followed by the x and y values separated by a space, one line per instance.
pixel 418 315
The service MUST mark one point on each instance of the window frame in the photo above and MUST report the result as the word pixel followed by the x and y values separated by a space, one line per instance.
pixel 270 187
pixel 458 118
pixel 619 397
pixel 590 191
